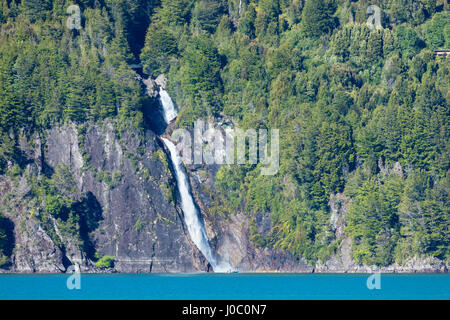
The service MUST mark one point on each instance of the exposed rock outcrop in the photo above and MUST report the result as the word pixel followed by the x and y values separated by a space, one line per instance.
pixel 150 87
pixel 343 262
pixel 161 81
pixel 127 178
pixel 230 235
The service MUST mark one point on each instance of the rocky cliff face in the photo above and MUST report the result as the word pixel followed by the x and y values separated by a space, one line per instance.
pixel 122 180
pixel 125 180
pixel 230 238
pixel 230 235
pixel 343 262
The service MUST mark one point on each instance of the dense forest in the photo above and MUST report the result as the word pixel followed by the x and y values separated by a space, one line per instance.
pixel 361 111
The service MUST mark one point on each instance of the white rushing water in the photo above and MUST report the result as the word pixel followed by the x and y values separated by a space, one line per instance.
pixel 195 227
pixel 170 113
pixel 192 220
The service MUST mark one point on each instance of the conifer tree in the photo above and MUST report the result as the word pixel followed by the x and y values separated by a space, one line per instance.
pixel 317 17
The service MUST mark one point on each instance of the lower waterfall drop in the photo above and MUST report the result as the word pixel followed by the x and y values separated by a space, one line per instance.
pixel 194 225
pixel 192 219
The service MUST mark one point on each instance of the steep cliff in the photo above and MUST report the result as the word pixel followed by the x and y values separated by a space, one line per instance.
pixel 230 234
pixel 122 189
pixel 122 184
pixel 230 237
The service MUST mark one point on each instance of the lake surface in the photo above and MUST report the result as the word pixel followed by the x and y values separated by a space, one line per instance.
pixel 225 286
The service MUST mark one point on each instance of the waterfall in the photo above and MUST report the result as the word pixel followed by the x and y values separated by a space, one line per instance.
pixel 195 227
pixel 192 220
pixel 169 109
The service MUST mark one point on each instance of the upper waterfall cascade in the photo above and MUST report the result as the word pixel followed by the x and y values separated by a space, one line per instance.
pixel 170 113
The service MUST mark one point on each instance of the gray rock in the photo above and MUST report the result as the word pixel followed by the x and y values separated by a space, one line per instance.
pixel 230 236
pixel 137 224
pixel 338 205
pixel 161 81
pixel 150 87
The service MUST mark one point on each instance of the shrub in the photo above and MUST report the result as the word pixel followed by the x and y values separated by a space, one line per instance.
pixel 105 262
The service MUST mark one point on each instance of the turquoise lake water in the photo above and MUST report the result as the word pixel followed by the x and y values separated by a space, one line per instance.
pixel 225 286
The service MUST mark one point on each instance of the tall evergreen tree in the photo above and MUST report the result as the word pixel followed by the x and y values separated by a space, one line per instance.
pixel 317 17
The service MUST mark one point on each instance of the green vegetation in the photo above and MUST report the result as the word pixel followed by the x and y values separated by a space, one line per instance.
pixel 61 207
pixel 105 262
pixel 140 225
pixel 317 17
pixel 6 240
pixel 168 191
pixel 360 111
pixel 111 179
pixel 161 156
pixel 49 73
